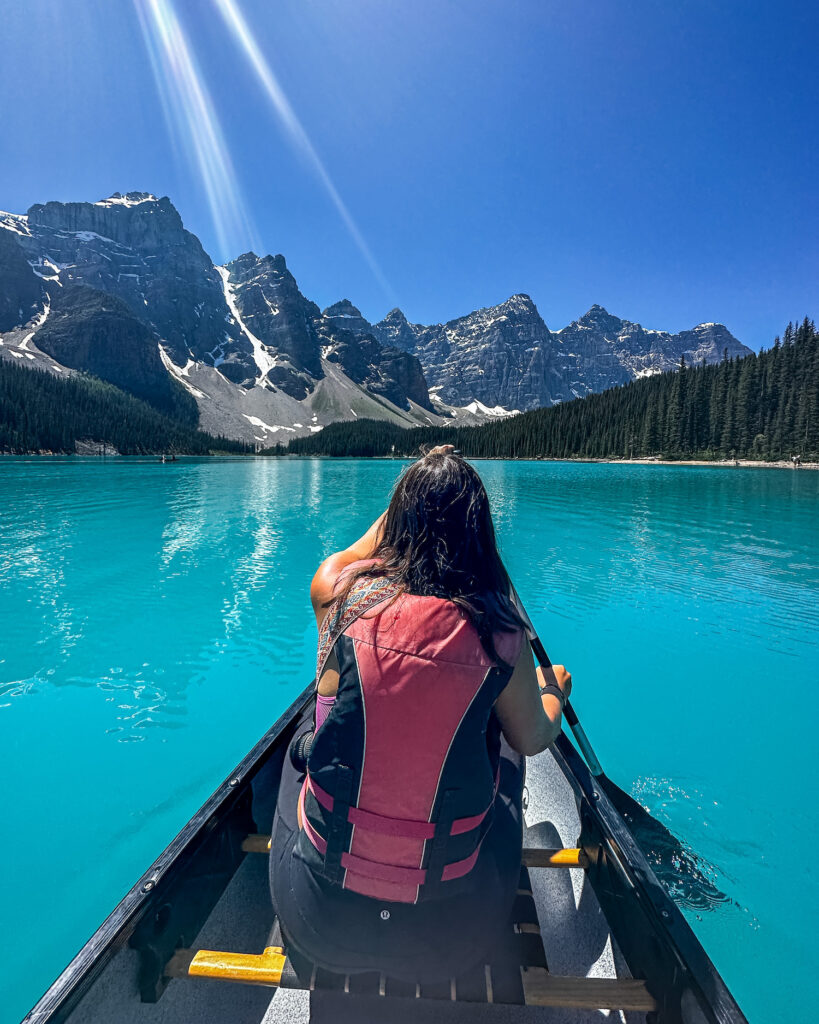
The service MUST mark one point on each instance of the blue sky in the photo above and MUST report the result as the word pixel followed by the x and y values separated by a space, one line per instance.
pixel 658 158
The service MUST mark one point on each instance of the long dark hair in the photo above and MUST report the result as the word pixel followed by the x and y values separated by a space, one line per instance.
pixel 438 540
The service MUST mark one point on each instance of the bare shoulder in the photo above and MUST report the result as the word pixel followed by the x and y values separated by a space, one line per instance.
pixel 324 581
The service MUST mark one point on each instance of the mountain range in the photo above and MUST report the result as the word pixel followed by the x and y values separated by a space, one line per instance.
pixel 120 288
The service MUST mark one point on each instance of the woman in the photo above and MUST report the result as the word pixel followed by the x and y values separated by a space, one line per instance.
pixel 398 848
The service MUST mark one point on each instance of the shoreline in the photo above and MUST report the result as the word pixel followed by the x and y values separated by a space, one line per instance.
pixel 717 463
pixel 725 463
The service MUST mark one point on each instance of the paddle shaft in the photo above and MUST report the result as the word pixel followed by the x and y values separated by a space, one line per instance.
pixel 568 711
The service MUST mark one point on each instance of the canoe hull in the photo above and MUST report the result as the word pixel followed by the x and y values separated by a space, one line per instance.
pixel 205 888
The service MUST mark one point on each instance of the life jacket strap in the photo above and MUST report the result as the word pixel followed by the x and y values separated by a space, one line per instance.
pixel 403 828
pixel 317 840
pixel 365 595
pixel 338 835
pixel 408 876
pixel 437 849
pixel 387 872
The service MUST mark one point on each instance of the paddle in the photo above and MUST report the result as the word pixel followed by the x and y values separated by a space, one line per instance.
pixel 679 868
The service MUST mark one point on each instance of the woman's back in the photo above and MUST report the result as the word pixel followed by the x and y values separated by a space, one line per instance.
pixel 411 736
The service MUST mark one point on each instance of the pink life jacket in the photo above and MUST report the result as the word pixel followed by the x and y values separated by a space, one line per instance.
pixel 402 775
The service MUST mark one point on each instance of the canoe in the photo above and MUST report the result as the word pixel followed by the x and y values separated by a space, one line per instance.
pixel 195 939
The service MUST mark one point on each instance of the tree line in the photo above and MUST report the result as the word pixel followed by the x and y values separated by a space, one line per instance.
pixel 41 412
pixel 763 407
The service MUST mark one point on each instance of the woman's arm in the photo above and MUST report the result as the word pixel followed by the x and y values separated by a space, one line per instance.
pixel 324 582
pixel 531 721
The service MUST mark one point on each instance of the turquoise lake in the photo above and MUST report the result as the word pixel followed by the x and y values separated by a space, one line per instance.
pixel 155 621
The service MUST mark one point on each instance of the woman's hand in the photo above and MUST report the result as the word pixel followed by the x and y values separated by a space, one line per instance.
pixel 562 679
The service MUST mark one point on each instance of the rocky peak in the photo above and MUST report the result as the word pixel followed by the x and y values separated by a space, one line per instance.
pixel 601 350
pixel 345 315
pixel 279 318
pixel 598 318
pixel 344 308
pixel 494 355
pixel 147 224
pixel 397 331
pixel 272 269
pixel 709 342
pixel 250 263
pixel 518 313
pixel 135 247
pixel 710 329
pixel 520 304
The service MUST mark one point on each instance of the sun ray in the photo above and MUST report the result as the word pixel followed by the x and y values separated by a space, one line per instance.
pixel 294 129
pixel 191 118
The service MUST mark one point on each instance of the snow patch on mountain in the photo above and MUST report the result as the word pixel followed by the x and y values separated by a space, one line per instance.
pixel 263 359
pixel 484 410
pixel 16 222
pixel 129 199
pixel 180 373
pixel 35 325
pixel 90 236
pixel 266 426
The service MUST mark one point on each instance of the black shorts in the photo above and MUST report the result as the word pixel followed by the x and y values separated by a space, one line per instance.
pixel 348 933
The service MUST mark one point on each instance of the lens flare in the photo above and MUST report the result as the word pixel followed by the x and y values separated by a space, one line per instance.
pixel 192 119
pixel 294 128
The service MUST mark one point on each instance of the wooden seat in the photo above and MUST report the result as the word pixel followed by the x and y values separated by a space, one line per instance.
pixel 544 989
pixel 568 858
pixel 532 856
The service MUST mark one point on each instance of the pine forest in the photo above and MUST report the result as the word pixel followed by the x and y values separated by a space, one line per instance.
pixel 40 412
